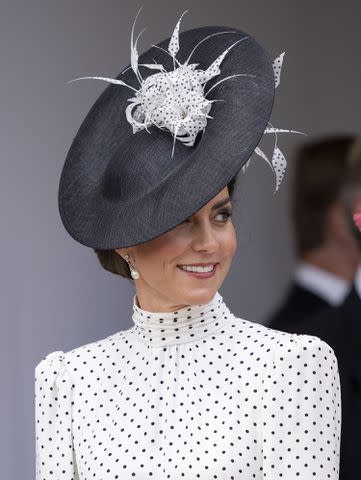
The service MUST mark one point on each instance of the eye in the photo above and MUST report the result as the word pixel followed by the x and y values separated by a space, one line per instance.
pixel 227 213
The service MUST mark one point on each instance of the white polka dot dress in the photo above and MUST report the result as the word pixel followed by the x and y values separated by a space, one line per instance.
pixel 192 394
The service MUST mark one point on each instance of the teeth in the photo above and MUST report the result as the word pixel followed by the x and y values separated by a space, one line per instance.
pixel 197 269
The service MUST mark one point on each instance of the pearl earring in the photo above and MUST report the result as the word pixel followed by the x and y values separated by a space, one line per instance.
pixel 133 272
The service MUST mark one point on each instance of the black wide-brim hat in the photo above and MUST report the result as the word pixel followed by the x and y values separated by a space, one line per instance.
pixel 119 188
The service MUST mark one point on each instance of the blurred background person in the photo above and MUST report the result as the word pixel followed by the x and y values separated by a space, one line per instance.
pixel 330 278
pixel 328 252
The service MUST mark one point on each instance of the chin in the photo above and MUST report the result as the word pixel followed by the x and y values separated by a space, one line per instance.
pixel 200 295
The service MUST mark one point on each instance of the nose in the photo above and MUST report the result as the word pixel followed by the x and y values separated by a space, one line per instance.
pixel 205 238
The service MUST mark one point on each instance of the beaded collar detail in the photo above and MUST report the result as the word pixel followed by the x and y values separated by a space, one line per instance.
pixel 187 324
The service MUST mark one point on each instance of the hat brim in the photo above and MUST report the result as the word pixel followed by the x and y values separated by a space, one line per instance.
pixel 119 189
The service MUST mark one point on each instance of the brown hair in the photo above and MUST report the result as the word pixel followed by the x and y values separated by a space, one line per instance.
pixel 321 174
pixel 114 263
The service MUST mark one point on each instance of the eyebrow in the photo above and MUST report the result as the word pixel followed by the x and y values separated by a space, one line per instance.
pixel 221 203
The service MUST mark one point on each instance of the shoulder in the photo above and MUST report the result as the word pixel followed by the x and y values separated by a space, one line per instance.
pixel 73 362
pixel 286 344
pixel 304 346
pixel 304 356
pixel 279 345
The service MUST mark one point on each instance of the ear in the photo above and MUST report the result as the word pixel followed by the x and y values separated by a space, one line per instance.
pixel 121 252
pixel 125 251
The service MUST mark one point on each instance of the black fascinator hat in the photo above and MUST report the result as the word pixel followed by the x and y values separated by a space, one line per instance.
pixel 167 134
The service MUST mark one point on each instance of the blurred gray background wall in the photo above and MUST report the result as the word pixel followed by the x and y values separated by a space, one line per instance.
pixel 54 295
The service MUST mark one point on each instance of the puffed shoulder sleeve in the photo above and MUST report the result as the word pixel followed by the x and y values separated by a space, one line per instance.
pixel 55 456
pixel 301 411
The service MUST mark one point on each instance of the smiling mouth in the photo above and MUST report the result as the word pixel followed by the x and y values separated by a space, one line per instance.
pixel 207 270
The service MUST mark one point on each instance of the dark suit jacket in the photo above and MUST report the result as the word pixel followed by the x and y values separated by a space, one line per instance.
pixel 299 303
pixel 340 327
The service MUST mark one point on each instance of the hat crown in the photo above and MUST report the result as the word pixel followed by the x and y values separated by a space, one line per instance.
pixel 127 176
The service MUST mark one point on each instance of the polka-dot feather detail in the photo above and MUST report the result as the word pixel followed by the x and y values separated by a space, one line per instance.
pixel 279 165
pixel 173 100
pixel 277 67
pixel 237 401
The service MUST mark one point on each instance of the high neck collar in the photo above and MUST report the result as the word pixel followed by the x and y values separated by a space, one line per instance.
pixel 187 324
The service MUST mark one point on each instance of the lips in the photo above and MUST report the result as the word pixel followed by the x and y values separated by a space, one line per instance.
pixel 200 275
pixel 214 265
pixel 197 264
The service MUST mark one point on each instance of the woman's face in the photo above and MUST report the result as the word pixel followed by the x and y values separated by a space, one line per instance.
pixel 208 236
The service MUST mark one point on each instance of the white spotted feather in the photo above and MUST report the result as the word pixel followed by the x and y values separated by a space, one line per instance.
pixel 176 100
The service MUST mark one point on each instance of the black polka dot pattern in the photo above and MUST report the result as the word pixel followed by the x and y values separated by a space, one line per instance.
pixel 277 67
pixel 173 101
pixel 185 325
pixel 279 165
pixel 237 400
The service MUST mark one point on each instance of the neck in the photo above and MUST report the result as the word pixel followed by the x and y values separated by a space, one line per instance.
pixel 187 324
pixel 154 300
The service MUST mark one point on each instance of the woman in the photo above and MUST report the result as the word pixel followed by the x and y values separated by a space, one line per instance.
pixel 190 390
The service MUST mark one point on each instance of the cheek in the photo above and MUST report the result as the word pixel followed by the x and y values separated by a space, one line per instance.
pixel 229 242
pixel 163 250
pixel 174 246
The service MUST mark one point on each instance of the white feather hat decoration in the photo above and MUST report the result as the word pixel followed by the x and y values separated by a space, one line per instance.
pixel 176 100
